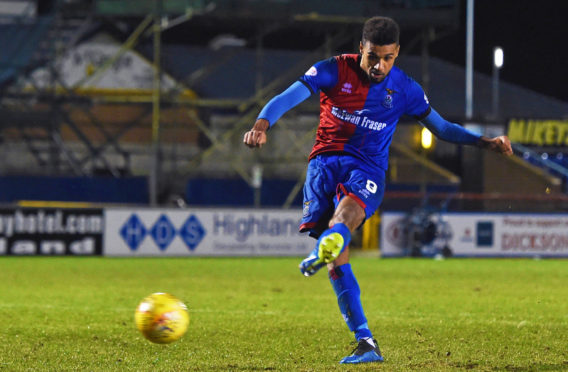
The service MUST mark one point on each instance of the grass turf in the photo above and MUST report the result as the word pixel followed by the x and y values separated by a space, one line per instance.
pixel 258 314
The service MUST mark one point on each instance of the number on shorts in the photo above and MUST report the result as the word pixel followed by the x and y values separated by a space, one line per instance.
pixel 371 186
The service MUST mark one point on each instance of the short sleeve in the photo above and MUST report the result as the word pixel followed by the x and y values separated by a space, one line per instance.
pixel 417 104
pixel 322 75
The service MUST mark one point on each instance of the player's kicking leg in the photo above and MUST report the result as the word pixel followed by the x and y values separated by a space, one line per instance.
pixel 347 217
pixel 329 246
pixel 332 242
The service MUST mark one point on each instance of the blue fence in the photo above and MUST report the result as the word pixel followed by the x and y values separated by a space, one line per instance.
pixel 128 190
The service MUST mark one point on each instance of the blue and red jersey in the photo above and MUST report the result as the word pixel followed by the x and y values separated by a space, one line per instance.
pixel 358 116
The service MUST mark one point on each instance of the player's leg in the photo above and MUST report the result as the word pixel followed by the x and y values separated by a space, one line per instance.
pixel 348 295
pixel 319 190
pixel 329 246
pixel 360 196
pixel 348 216
pixel 350 213
pixel 347 288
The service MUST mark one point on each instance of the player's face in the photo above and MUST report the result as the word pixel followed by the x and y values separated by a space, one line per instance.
pixel 377 60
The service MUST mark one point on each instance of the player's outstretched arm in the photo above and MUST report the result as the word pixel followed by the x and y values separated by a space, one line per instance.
pixel 296 93
pixel 256 137
pixel 500 145
pixel 455 133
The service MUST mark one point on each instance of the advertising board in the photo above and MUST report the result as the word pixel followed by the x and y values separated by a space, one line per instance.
pixel 204 232
pixel 482 235
pixel 51 231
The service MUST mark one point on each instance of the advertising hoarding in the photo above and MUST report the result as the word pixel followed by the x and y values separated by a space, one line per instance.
pixel 204 232
pixel 51 231
pixel 483 235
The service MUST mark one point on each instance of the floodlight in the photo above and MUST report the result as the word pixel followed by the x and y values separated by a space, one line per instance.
pixel 498 57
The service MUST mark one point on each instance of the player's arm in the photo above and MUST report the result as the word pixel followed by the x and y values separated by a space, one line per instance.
pixel 455 133
pixel 273 110
pixel 320 76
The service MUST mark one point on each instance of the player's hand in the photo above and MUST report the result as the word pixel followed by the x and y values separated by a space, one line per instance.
pixel 256 137
pixel 500 145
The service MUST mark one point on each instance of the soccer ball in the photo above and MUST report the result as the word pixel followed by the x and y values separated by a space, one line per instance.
pixel 162 318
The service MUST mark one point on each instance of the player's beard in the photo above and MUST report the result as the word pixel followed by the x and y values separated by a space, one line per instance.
pixel 376 76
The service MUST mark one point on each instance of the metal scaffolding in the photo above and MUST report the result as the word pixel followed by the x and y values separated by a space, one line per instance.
pixel 62 127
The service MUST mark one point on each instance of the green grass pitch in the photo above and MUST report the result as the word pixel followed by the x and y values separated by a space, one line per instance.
pixel 260 314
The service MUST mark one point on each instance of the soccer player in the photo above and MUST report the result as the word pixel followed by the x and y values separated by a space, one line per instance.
pixel 362 97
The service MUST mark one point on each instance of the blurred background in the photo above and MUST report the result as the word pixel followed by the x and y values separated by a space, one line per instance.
pixel 144 103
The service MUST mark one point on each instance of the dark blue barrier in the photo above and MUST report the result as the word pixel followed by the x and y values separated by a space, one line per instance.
pixel 129 190
pixel 274 192
pixel 236 192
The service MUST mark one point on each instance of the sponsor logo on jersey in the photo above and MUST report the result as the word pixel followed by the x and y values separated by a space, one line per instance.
pixel 347 88
pixel 313 71
pixel 306 210
pixel 357 119
pixel 365 193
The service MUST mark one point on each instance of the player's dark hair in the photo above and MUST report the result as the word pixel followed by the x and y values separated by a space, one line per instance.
pixel 381 31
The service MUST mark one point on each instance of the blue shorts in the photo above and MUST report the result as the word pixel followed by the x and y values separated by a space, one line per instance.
pixel 332 177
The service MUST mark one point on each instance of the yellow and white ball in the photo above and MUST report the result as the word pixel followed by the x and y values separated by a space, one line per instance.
pixel 162 318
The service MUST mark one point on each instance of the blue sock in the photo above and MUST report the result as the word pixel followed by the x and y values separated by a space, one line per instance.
pixel 340 228
pixel 349 299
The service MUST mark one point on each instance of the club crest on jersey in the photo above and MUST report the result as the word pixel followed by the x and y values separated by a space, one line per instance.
pixel 387 103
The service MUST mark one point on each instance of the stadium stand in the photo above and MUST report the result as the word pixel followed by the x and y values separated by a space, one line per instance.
pixel 208 48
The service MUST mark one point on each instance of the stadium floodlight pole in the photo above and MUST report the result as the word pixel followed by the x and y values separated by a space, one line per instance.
pixel 469 61
pixel 156 98
pixel 498 58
